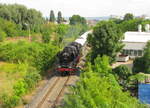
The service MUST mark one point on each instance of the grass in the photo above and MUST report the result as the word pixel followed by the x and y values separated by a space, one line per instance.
pixel 9 74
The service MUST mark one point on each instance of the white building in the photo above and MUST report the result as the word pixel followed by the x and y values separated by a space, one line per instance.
pixel 135 43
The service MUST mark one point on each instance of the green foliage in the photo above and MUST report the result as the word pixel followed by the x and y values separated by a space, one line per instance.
pixel 47 30
pixel 2 35
pixel 8 27
pixel 52 16
pixel 116 20
pixel 18 52
pixel 21 15
pixel 76 19
pixel 31 79
pixel 38 55
pixel 62 29
pixel 10 102
pixel 46 57
pixel 106 40
pixel 142 64
pixel 59 18
pixel 130 25
pixel 128 16
pixel 137 78
pixel 25 78
pixel 138 65
pixel 122 74
pixel 20 88
pixel 98 88
pixel 122 71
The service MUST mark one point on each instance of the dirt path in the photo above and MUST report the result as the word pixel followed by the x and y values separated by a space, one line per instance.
pixel 128 63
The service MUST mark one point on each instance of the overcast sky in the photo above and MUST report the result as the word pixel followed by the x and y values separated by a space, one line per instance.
pixel 87 8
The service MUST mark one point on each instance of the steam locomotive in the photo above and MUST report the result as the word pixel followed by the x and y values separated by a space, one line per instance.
pixel 69 57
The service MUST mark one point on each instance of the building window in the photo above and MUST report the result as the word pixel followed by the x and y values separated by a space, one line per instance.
pixel 132 52
pixel 135 53
pixel 140 52
pixel 127 52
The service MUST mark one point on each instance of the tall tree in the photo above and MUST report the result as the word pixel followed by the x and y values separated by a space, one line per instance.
pixel 76 19
pixel 128 16
pixel 106 40
pixel 52 16
pixel 59 18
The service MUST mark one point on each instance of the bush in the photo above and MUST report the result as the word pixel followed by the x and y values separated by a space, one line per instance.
pixel 31 79
pixel 122 71
pixel 46 57
pixel 10 101
pixel 9 28
pixel 20 88
pixel 98 88
pixel 2 35
pixel 122 74
pixel 138 65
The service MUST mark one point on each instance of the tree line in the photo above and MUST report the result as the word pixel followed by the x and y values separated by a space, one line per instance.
pixel 130 22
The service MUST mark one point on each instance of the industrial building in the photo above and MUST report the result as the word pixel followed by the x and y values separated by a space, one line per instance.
pixel 134 43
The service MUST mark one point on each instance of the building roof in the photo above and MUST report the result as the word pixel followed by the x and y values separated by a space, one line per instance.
pixel 137 37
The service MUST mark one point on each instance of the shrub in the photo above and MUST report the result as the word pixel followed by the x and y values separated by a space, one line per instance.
pixel 122 71
pixel 2 35
pixel 98 88
pixel 21 87
pixel 46 57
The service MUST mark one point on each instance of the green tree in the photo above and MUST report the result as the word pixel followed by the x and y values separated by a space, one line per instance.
pixel 128 16
pixel 122 74
pixel 138 65
pixel 98 88
pixel 52 16
pixel 76 19
pixel 130 25
pixel 122 71
pixel 59 18
pixel 106 40
pixel 142 64
pixel 21 15
pixel 5 13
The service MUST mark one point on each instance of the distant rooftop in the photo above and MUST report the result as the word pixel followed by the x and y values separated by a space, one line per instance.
pixel 137 37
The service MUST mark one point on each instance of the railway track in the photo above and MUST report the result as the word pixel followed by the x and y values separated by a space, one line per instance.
pixel 50 96
pixel 53 95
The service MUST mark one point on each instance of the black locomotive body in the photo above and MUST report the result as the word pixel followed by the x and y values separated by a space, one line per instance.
pixel 68 58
